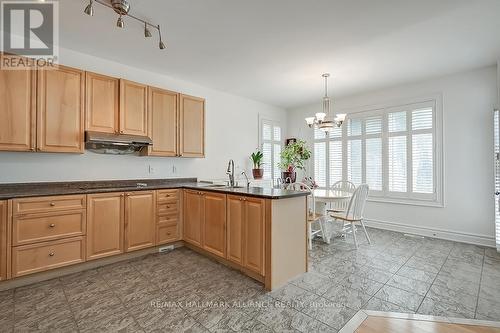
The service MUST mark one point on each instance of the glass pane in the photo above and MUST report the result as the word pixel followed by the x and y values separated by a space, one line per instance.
pixel 397 121
pixel 267 160
pixel 354 156
pixel 374 163
pixel 320 163
pixel 277 133
pixel 421 119
pixel 373 125
pixel 335 162
pixel 354 127
pixel 266 131
pixel 397 164
pixel 319 134
pixel 336 132
pixel 276 169
pixel 422 157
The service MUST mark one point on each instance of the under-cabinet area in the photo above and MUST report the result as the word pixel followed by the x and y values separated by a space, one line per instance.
pixel 50 110
pixel 42 233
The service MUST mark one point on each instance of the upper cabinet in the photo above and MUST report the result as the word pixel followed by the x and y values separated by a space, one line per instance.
pixel 192 126
pixel 60 116
pixel 102 103
pixel 163 120
pixel 17 109
pixel 133 108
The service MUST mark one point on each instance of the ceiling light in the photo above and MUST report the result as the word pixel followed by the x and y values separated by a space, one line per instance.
pixel 147 33
pixel 122 8
pixel 322 119
pixel 89 10
pixel 119 23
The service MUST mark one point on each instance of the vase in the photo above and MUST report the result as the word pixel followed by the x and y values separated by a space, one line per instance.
pixel 288 176
pixel 258 173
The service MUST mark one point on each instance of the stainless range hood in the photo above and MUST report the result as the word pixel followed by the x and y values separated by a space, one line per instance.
pixel 117 144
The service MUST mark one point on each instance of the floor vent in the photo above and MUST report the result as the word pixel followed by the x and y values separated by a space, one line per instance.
pixel 164 249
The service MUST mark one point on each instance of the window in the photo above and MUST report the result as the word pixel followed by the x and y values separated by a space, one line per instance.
pixel 395 150
pixel 270 139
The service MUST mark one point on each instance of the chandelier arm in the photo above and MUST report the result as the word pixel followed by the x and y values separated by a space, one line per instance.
pixel 101 2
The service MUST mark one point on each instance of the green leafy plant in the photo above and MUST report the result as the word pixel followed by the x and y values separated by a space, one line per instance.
pixel 256 158
pixel 294 155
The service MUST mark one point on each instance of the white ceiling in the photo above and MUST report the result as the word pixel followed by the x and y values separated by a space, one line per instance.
pixel 274 51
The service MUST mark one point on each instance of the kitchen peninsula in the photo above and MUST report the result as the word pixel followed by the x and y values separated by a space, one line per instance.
pixel 259 231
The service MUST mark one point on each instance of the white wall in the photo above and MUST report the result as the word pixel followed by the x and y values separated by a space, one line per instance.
pixel 468 101
pixel 231 132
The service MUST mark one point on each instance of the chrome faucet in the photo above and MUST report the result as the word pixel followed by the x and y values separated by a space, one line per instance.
pixel 230 172
pixel 248 182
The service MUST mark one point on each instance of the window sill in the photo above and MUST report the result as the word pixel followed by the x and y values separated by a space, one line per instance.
pixel 410 202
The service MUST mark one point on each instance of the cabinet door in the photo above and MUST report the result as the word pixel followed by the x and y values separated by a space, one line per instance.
pixel 60 110
pixel 140 223
pixel 17 108
pixel 163 112
pixel 254 235
pixel 3 240
pixel 192 126
pixel 105 225
pixel 133 108
pixel 214 223
pixel 102 103
pixel 235 215
pixel 192 217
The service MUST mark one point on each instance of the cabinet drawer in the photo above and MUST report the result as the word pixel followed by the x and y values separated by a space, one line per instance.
pixel 167 233
pixel 170 219
pixel 47 226
pixel 39 257
pixel 168 208
pixel 165 195
pixel 48 204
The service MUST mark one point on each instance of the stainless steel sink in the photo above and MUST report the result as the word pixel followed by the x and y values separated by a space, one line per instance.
pixel 222 186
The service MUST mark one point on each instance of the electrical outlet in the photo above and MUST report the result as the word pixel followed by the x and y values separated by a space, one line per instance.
pixel 151 169
pixel 174 169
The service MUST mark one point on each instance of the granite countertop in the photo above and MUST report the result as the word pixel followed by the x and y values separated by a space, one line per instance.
pixel 24 190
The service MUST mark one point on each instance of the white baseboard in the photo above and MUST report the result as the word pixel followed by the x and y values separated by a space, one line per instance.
pixel 433 232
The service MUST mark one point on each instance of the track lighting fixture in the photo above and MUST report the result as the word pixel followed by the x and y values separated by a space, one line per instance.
pixel 122 8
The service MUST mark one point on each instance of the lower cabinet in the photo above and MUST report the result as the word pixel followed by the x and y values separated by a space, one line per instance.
pixel 105 224
pixel 3 240
pixel 205 220
pixel 246 232
pixel 140 217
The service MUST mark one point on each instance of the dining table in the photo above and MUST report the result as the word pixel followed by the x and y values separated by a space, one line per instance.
pixel 328 199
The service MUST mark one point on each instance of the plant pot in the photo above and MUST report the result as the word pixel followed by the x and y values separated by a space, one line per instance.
pixel 288 176
pixel 258 173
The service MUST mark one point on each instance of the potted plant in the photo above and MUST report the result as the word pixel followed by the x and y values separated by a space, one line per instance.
pixel 293 157
pixel 256 158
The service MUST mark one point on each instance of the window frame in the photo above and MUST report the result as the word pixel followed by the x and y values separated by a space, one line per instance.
pixel 409 197
pixel 273 123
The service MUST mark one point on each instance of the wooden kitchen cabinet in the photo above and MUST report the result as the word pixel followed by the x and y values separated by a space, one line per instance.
pixel 192 126
pixel 214 223
pixel 193 214
pixel 163 122
pixel 105 224
pixel 17 108
pixel 4 246
pixel 60 113
pixel 133 108
pixel 140 220
pixel 102 103
pixel 246 232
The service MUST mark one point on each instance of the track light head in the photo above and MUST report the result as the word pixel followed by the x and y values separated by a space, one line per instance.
pixel 161 45
pixel 120 23
pixel 147 33
pixel 89 10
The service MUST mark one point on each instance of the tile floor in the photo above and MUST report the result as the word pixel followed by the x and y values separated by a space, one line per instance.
pixel 183 291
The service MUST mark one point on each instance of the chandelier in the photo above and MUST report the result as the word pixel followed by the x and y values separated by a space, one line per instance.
pixel 122 8
pixel 322 120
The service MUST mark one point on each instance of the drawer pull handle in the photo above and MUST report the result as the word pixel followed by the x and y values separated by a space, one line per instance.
pixel 168 233
pixel 52 225
pixel 52 204
pixel 51 254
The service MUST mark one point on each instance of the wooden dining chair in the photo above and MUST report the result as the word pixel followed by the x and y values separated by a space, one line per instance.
pixel 312 216
pixel 341 205
pixel 354 212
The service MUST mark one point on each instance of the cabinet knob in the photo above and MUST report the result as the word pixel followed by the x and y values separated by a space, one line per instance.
pixel 52 204
pixel 52 225
pixel 32 149
pixel 122 195
pixel 240 199
pixel 121 132
pixel 168 233
pixel 51 254
pixel 128 195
